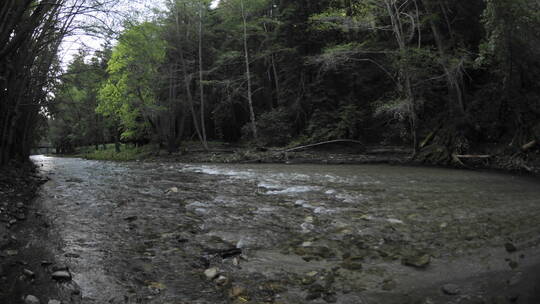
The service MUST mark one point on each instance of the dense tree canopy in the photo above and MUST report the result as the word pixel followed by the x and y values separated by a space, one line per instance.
pixel 442 76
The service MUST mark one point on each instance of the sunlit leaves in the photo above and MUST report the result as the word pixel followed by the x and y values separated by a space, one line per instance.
pixel 134 74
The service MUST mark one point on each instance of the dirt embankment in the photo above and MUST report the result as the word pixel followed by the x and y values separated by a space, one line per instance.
pixel 26 262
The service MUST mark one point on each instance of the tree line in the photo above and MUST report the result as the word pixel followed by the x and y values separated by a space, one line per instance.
pixel 442 76
pixel 31 32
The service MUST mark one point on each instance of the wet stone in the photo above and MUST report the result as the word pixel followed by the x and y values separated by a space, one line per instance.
pixel 330 298
pixel 30 299
pixel 417 261
pixel 211 273
pixel 389 285
pixel 222 280
pixel 451 289
pixel 510 247
pixel 131 218
pixel 61 275
pixel 515 279
pixel 29 273
pixel 237 291
pixel 313 296
pixel 352 263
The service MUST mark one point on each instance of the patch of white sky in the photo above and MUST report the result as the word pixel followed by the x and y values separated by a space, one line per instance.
pixel 80 39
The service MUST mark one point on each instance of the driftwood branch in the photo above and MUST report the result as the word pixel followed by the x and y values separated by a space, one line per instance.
pixel 473 156
pixel 529 145
pixel 337 141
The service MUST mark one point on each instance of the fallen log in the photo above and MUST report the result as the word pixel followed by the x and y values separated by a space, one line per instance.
pixel 473 156
pixel 337 141
pixel 529 145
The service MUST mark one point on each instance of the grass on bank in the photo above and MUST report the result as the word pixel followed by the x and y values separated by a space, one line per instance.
pixel 127 152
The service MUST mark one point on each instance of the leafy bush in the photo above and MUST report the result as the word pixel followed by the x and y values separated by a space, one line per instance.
pixel 344 123
pixel 274 128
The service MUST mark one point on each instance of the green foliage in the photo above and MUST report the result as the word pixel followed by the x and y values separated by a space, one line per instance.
pixel 342 124
pixel 319 70
pixel 274 127
pixel 130 92
pixel 127 153
pixel 73 119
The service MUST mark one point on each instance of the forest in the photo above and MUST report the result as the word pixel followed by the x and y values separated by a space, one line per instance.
pixel 269 151
pixel 443 77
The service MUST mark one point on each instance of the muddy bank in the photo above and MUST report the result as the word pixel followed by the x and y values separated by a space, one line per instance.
pixel 494 158
pixel 162 232
pixel 27 259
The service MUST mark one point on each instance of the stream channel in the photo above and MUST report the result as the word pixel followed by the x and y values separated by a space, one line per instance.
pixel 146 232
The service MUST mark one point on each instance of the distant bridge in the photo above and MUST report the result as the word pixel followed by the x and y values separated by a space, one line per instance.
pixel 43 148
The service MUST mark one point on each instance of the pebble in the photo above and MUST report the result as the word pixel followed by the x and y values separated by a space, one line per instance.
pixel 61 275
pixel 29 273
pixel 515 279
pixel 330 298
pixel 172 190
pixel 510 247
pixel 222 280
pixel 513 264
pixel 389 285
pixel 237 291
pixel 54 302
pixel 30 299
pixel 451 289
pixel 211 273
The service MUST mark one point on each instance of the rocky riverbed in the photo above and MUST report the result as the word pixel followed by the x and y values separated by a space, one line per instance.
pixel 187 233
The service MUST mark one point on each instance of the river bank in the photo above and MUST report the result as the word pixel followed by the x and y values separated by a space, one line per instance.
pixel 27 258
pixel 494 158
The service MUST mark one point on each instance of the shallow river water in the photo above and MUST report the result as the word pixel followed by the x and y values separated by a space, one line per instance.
pixel 146 233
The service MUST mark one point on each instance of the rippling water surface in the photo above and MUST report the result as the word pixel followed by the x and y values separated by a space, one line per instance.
pixel 145 232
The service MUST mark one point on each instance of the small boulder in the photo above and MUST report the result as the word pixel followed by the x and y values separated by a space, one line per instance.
pixel 30 299
pixel 418 261
pixel 61 275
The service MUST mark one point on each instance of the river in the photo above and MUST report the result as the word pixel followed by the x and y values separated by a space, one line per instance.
pixel 143 232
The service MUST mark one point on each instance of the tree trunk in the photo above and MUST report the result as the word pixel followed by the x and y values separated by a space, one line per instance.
pixel 201 79
pixel 248 74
